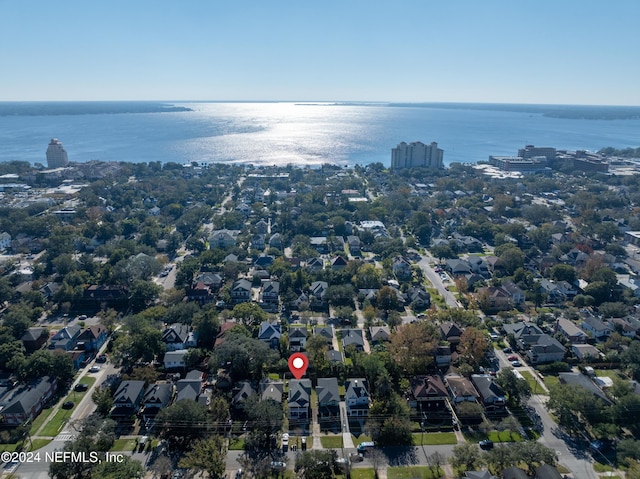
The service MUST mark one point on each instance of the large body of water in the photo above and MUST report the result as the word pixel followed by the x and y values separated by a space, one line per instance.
pixel 302 133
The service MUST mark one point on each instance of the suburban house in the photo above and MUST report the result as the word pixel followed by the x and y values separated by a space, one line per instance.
pixel 451 332
pixel 569 330
pixel 338 263
pixel 258 241
pixel 428 395
pixel 240 291
pixel 352 337
pixel 26 401
pixel 270 294
pixel 157 396
pixel 127 399
pixel 65 339
pixel 354 245
pixel 201 293
pixel 579 379
pixel 241 393
pixel 401 268
pixel 175 359
pixel 317 293
pixel 357 397
pixel 297 338
pixel 461 389
pixel 418 298
pixel 444 355
pixel 299 403
pixel 334 356
pixel 546 349
pixel 328 403
pixel 457 267
pixel 326 332
pixel 380 334
pixel 34 338
pixel 223 238
pixel 585 351
pixel 315 264
pixel 212 280
pixel 596 328
pixel 179 336
pixel 270 333
pixel 492 396
pixel 271 390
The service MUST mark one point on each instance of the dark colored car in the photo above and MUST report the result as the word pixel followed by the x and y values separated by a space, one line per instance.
pixel 486 444
pixel 101 359
pixel 68 405
pixel 507 350
pixel 80 387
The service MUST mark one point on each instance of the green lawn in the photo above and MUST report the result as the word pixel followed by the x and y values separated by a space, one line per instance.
pixel 411 472
pixel 536 388
pixel 434 438
pixel 551 381
pixel 9 447
pixel 56 424
pixel 38 443
pixel 359 439
pixel 331 442
pixel 505 436
pixel 124 445
pixel 236 444
pixel 39 421
pixel 363 474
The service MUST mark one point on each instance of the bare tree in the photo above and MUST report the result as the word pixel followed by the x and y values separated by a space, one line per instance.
pixel 377 460
pixel 435 461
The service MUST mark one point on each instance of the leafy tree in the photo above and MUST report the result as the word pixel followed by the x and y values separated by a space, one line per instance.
pixel 248 357
pixel 518 390
pixel 599 291
pixel 316 464
pixel 500 457
pixel 563 272
pixel 129 468
pixel 412 347
pixel 628 451
pixel 467 456
pixel 532 453
pixel 208 455
pixel 473 346
pixel 103 399
pixel 631 359
pixel 387 299
pixel 143 293
pixel 182 423
pixel 249 314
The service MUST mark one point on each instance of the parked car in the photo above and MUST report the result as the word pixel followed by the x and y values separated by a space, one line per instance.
pixel 516 364
pixel 486 444
pixel 513 357
pixel 94 369
pixel 278 465
pixel 68 405
pixel 80 387
pixel 507 350
pixel 101 359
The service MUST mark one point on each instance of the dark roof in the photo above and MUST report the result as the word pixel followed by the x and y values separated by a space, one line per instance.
pixel 514 472
pixel 128 392
pixel 33 334
pixel 356 388
pixel 159 394
pixel 327 390
pixel 300 392
pixel 22 399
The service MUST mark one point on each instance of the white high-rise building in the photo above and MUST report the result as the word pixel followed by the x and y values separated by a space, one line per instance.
pixel 56 154
pixel 416 154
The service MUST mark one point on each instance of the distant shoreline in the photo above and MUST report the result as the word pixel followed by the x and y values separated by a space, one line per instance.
pixel 575 112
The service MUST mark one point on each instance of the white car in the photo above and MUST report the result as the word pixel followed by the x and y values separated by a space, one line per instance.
pixel 94 369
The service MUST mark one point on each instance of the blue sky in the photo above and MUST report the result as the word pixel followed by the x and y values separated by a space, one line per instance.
pixel 543 51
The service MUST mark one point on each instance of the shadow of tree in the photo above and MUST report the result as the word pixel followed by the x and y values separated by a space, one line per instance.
pixel 401 456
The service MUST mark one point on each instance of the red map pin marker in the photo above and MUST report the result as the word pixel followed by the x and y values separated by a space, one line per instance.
pixel 298 364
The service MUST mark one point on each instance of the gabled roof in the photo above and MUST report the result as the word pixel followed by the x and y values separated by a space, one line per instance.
pixel 327 390
pixel 158 393
pixel 270 389
pixel 68 332
pixel 241 284
pixel 324 331
pixel 298 332
pixel 128 393
pixel 22 399
pixel 299 392
pixel 176 333
pixel 188 389
pixel 352 336
pixel 380 333
pixel 334 356
pixel 424 387
pixel 356 388
pixel 33 334
pixel 269 331
pixel 449 330
pixel 243 391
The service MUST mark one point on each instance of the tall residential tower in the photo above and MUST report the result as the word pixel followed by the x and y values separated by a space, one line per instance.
pixel 56 154
pixel 416 154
